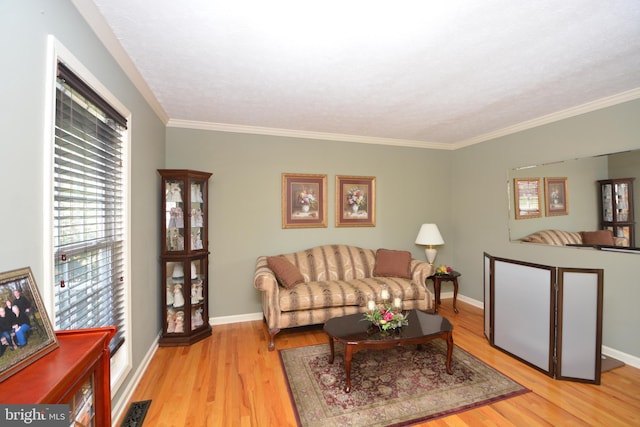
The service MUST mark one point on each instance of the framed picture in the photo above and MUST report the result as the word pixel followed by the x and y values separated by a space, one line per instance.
pixel 527 198
pixel 355 201
pixel 304 201
pixel 556 196
pixel 25 330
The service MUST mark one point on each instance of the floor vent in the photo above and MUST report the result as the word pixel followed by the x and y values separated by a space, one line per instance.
pixel 136 413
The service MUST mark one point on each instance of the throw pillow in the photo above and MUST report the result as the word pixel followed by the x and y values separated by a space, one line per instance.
pixel 287 274
pixel 600 237
pixel 390 263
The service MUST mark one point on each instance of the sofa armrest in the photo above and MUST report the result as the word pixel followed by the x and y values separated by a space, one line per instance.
pixel 263 278
pixel 420 270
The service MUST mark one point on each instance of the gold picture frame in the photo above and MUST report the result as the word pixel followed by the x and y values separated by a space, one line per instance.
pixel 31 335
pixel 527 198
pixel 355 201
pixel 304 200
pixel 556 196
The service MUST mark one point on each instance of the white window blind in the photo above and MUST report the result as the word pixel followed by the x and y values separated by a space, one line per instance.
pixel 88 223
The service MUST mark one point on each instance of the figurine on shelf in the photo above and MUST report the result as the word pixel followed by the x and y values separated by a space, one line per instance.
pixel 173 192
pixel 178 298
pixel 171 321
pixel 194 270
pixel 194 295
pixel 177 278
pixel 196 319
pixel 179 322
pixel 196 241
pixel 175 241
pixel 169 295
pixel 196 291
pixel 177 218
pixel 196 218
pixel 196 193
pixel 179 242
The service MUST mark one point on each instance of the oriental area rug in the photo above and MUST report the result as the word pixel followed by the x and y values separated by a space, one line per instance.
pixel 395 387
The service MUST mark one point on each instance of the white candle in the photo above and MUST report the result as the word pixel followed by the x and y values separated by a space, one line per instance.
pixel 384 294
pixel 397 302
pixel 371 305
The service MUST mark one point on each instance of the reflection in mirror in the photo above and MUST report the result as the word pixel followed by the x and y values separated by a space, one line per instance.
pixel 582 198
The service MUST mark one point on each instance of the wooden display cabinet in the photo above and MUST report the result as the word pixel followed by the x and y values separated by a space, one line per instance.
pixel 77 373
pixel 616 207
pixel 184 256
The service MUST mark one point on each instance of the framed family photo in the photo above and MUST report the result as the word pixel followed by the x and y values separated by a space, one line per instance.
pixel 355 201
pixel 556 196
pixel 304 200
pixel 527 198
pixel 26 333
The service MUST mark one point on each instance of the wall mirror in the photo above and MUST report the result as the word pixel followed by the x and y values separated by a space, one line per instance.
pixel 581 212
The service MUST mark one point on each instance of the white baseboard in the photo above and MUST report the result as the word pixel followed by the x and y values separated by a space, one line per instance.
pixel 624 357
pixel 235 319
pixel 119 406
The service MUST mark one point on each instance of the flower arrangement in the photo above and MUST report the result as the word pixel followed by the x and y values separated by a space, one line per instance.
pixel 389 317
pixel 356 197
pixel 306 198
pixel 443 270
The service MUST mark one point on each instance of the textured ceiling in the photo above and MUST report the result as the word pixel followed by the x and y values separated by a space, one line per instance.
pixel 425 73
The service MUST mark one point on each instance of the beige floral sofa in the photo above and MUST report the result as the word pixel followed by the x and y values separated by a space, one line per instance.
pixel 311 286
pixel 577 238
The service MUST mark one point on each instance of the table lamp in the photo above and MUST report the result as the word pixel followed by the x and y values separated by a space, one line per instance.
pixel 429 235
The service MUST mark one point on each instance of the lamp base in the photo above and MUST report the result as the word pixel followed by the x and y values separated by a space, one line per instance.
pixel 431 255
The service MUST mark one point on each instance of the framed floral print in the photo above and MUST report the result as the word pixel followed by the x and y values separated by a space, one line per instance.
pixel 304 200
pixel 556 197
pixel 527 198
pixel 26 333
pixel 355 201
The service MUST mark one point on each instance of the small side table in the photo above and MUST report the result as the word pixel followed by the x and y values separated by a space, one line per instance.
pixel 438 279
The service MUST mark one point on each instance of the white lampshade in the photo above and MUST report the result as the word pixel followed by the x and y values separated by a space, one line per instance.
pixel 430 235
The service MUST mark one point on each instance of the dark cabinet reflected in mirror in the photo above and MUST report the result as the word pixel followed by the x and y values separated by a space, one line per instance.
pixel 586 211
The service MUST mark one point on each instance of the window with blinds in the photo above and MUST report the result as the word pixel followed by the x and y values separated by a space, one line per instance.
pixel 88 223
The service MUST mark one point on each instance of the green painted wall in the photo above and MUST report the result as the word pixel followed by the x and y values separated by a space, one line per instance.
pixel 413 186
pixel 480 210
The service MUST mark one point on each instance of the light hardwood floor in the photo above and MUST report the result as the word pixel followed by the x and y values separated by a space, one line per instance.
pixel 230 379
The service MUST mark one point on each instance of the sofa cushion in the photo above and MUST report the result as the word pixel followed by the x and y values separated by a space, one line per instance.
pixel 287 274
pixel 600 237
pixel 333 262
pixel 342 293
pixel 390 263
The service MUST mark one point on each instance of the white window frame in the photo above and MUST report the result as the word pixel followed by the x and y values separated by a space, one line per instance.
pixel 121 362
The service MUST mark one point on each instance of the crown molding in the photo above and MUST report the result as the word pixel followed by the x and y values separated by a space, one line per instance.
pixel 609 101
pixel 97 23
pixel 529 124
pixel 257 130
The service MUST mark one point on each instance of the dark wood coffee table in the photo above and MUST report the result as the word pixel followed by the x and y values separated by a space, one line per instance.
pixel 358 334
